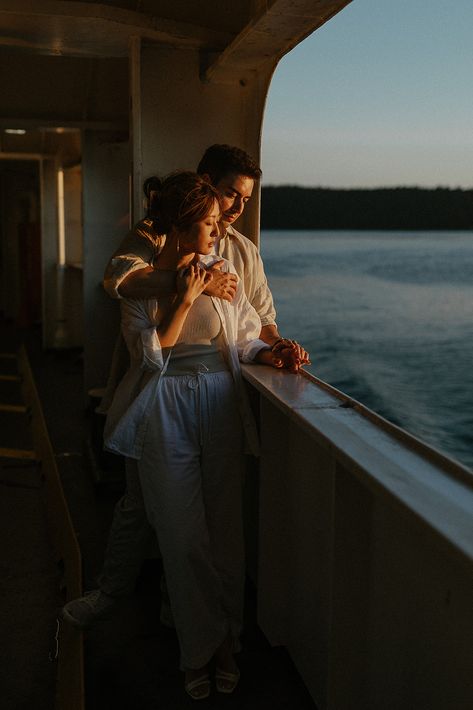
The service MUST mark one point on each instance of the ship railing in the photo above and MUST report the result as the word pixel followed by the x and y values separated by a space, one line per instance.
pixel 361 550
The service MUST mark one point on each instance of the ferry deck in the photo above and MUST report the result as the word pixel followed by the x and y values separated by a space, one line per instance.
pixel 359 536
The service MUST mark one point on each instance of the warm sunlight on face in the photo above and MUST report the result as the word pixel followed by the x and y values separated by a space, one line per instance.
pixel 201 236
pixel 235 191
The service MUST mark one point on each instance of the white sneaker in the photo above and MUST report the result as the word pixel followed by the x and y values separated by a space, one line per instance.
pixel 84 611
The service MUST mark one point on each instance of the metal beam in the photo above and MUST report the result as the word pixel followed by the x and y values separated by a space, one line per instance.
pixel 92 29
pixel 272 32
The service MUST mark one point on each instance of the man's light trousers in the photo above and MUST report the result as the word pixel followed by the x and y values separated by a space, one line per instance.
pixel 130 539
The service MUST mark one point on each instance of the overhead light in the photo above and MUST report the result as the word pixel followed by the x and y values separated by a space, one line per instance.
pixel 58 129
pixel 15 131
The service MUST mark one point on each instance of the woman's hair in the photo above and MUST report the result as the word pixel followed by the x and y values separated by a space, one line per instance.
pixel 179 200
pixel 221 159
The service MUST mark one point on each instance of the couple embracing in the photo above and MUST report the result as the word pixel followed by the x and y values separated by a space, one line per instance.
pixel 194 303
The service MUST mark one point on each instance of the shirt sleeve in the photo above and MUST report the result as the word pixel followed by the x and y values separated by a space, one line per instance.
pixel 262 299
pixel 248 326
pixel 137 251
pixel 239 250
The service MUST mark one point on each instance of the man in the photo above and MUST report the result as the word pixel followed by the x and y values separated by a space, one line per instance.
pixel 130 274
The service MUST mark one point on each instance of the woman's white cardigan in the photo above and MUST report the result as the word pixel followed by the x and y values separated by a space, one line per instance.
pixel 129 413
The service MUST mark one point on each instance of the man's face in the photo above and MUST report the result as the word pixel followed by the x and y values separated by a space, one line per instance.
pixel 235 191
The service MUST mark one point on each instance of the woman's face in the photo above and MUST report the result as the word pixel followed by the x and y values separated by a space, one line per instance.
pixel 200 238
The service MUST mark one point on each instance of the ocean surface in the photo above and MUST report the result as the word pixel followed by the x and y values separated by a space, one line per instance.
pixel 388 319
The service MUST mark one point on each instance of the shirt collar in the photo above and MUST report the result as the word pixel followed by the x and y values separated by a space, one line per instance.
pixel 222 235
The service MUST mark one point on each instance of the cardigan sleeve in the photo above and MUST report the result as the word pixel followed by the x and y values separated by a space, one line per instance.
pixel 139 321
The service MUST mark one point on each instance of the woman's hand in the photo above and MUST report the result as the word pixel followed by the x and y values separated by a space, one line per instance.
pixel 191 282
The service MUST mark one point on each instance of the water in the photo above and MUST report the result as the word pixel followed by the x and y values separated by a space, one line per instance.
pixel 388 319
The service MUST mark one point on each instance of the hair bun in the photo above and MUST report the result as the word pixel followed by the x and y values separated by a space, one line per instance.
pixel 153 188
pixel 152 184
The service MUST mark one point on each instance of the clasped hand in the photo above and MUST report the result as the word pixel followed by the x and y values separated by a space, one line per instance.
pixel 289 354
pixel 221 284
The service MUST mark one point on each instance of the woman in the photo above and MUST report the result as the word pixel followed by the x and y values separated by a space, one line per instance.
pixel 181 412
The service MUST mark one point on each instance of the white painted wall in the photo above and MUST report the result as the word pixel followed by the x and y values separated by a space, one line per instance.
pixel 105 166
pixel 49 232
pixel 176 116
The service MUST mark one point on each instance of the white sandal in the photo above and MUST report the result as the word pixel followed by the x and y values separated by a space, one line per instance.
pixel 226 681
pixel 202 682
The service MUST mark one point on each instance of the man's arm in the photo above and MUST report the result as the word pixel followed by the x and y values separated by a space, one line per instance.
pixel 130 272
pixel 247 260
pixel 148 282
pixel 244 256
pixel 135 254
pixel 270 334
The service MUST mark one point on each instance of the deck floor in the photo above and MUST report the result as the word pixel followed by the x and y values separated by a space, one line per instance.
pixel 30 585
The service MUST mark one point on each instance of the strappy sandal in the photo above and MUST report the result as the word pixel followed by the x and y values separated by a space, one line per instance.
pixel 198 689
pixel 226 681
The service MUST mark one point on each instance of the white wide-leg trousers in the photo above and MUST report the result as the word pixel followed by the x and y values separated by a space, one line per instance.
pixel 191 476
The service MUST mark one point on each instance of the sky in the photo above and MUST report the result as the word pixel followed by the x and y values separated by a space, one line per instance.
pixel 379 96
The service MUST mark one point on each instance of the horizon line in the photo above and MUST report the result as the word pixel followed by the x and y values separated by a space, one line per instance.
pixel 379 187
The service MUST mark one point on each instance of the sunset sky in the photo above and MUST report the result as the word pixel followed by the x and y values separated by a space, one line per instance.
pixel 381 95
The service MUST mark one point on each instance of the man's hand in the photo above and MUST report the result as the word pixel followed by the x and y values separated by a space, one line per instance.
pixel 222 284
pixel 289 354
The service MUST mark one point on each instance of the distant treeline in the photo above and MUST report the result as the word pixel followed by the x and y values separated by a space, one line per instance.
pixel 400 208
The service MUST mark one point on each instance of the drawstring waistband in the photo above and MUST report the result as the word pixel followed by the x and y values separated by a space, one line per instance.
pixel 209 362
pixel 196 370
